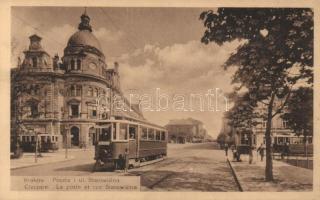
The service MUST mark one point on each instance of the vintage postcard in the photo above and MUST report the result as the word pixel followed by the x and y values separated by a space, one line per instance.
pixel 191 99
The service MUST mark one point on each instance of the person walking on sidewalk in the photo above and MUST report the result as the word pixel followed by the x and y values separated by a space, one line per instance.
pixel 260 150
pixel 226 147
pixel 126 160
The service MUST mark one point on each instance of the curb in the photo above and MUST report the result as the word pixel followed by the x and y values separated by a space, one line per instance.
pixel 39 164
pixel 235 176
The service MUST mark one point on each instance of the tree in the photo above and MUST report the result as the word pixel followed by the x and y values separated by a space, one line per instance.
pixel 275 42
pixel 242 116
pixel 299 112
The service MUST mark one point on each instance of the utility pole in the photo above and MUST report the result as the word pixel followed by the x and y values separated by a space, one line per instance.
pixel 66 143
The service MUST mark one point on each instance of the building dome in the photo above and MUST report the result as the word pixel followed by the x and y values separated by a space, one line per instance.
pixel 84 38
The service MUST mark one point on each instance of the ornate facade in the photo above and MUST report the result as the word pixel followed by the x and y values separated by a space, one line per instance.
pixel 68 96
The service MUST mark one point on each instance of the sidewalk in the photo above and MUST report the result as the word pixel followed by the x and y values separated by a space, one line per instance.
pixel 28 159
pixel 286 177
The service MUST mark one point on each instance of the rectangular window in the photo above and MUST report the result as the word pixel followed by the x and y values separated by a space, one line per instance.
pixel 75 110
pixel 158 135
pixel 132 132
pixel 78 90
pixel 105 134
pixel 34 109
pixel 284 124
pixel 163 135
pixel 92 110
pixel 144 133
pixel 151 134
pixel 94 113
pixel 123 135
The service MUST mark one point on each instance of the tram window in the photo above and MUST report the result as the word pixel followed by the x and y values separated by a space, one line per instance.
pixel 163 135
pixel 151 134
pixel 123 132
pixel 144 133
pixel 105 134
pixel 132 132
pixel 158 135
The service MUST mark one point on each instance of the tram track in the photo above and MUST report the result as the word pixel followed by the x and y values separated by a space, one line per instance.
pixel 162 179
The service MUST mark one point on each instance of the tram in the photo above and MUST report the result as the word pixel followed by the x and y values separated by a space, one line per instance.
pixel 140 141
pixel 46 142
pixel 280 141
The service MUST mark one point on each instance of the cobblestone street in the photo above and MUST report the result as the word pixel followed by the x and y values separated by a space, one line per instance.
pixel 196 167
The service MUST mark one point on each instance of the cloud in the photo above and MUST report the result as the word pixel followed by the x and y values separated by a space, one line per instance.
pixel 185 68
pixel 55 39
pixel 192 64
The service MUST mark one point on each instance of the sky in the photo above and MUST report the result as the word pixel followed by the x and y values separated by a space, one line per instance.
pixel 155 48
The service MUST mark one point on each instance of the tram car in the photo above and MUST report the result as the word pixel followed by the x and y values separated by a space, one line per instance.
pixel 140 141
pixel 46 142
pixel 281 142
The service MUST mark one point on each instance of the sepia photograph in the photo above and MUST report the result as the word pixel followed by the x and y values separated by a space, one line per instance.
pixel 161 99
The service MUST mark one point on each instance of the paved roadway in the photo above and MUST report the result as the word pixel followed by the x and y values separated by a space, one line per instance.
pixel 194 167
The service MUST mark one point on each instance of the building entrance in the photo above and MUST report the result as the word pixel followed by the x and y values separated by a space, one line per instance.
pixel 75 136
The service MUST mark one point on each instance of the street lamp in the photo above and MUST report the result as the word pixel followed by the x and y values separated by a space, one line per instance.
pixel 66 143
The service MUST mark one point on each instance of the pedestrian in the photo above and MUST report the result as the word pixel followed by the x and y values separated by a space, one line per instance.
pixel 126 160
pixel 250 154
pixel 226 147
pixel 261 151
pixel 284 150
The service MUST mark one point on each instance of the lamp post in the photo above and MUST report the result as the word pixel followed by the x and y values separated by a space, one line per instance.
pixel 36 148
pixel 66 143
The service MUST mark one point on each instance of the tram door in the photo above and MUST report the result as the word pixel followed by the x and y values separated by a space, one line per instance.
pixel 133 134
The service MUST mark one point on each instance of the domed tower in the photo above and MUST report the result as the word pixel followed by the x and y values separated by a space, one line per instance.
pixel 83 53
pixel 87 84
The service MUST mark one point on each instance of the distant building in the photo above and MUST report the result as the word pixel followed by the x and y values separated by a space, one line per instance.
pixel 280 132
pixel 186 130
pixel 66 97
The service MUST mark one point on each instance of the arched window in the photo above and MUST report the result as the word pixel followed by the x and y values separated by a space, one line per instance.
pixel 95 94
pixel 73 90
pixel 34 62
pixel 72 65
pixel 78 90
pixel 78 64
pixel 90 92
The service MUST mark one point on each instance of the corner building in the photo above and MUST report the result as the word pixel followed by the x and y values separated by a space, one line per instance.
pixel 67 97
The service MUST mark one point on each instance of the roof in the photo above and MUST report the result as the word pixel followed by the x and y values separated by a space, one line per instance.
pixel 35 37
pixel 84 38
